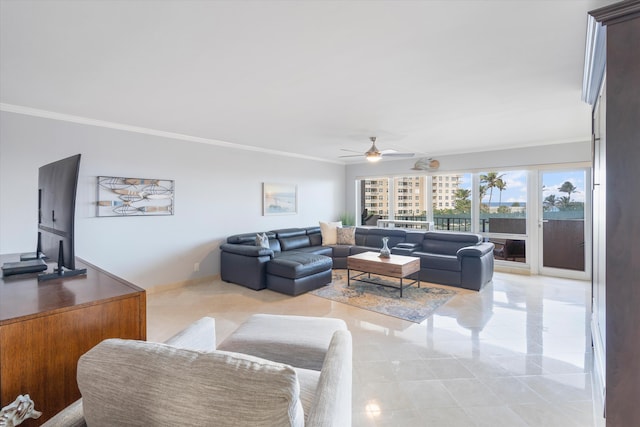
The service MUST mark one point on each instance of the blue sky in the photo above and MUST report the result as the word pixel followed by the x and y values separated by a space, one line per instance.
pixel 516 189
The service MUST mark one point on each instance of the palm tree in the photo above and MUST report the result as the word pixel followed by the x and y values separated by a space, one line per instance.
pixel 500 185
pixel 463 204
pixel 490 179
pixel 550 202
pixel 564 203
pixel 482 191
pixel 568 187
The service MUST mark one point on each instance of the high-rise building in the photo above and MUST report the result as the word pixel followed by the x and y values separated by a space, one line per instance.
pixel 409 198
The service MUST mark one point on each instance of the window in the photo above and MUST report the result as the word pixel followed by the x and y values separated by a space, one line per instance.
pixel 503 213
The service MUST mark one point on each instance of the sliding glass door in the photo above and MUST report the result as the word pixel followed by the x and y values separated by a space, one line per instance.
pixel 563 222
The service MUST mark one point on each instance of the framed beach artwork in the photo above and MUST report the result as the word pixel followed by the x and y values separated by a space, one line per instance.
pixel 279 199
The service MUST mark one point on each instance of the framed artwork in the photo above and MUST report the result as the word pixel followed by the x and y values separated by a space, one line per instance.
pixel 279 199
pixel 119 196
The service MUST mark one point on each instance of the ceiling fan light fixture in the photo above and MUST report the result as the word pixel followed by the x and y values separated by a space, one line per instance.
pixel 374 157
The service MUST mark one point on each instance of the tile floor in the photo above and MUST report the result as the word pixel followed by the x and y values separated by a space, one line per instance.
pixel 516 354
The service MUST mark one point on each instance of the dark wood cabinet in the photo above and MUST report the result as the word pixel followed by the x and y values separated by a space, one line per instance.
pixel 46 326
pixel 612 86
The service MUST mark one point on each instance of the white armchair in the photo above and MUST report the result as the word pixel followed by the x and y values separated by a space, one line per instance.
pixel 186 381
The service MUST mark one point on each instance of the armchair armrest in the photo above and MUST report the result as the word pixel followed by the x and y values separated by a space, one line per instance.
pixel 246 250
pixel 71 416
pixel 199 336
pixel 332 403
pixel 476 250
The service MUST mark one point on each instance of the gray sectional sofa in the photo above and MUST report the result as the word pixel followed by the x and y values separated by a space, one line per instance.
pixel 297 261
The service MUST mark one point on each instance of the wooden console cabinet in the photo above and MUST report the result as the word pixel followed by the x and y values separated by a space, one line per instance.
pixel 46 326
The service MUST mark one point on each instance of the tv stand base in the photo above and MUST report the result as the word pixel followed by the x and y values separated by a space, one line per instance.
pixel 61 274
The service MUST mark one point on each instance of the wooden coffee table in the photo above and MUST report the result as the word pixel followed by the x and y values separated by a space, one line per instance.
pixel 397 266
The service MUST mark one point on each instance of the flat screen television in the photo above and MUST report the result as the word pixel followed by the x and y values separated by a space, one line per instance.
pixel 57 185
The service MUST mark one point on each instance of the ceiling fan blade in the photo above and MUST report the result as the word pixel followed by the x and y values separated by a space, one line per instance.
pixel 351 151
pixel 398 154
pixel 353 155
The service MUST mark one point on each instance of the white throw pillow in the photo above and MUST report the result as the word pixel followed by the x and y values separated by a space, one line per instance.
pixel 329 231
pixel 262 240
pixel 346 235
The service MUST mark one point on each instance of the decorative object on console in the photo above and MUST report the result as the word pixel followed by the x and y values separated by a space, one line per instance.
pixel 118 196
pixel 385 252
pixel 279 199
pixel 329 232
pixel 18 411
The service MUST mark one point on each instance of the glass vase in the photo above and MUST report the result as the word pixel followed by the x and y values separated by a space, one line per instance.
pixel 385 252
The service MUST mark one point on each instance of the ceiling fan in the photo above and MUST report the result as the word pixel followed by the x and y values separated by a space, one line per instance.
pixel 374 155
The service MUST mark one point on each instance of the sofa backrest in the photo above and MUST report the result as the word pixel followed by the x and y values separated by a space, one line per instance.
pixel 414 237
pixel 315 236
pixel 361 235
pixel 448 243
pixel 375 235
pixel 137 383
pixel 292 238
pixel 250 239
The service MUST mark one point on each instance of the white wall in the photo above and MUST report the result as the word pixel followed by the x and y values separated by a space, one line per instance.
pixel 218 192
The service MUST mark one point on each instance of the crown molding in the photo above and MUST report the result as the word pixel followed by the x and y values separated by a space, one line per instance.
pixel 617 12
pixel 18 109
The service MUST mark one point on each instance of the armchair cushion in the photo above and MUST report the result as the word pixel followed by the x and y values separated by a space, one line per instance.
pixel 199 336
pixel 138 383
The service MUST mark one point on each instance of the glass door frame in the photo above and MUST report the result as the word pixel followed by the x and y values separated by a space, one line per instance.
pixel 538 225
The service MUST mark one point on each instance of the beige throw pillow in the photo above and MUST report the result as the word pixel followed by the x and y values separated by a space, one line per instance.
pixel 346 235
pixel 329 231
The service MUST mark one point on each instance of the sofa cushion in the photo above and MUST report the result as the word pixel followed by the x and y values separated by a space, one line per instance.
pixel 341 251
pixel 289 232
pixel 136 383
pixel 439 261
pixel 293 265
pixel 318 250
pixel 294 242
pixel 375 235
pixel 361 235
pixel 448 243
pixel 315 236
pixel 329 232
pixel 346 235
pixel 248 238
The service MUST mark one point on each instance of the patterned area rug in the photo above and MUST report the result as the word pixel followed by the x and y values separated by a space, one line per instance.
pixel 415 305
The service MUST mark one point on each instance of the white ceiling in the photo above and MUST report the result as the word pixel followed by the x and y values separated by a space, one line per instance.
pixel 308 77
